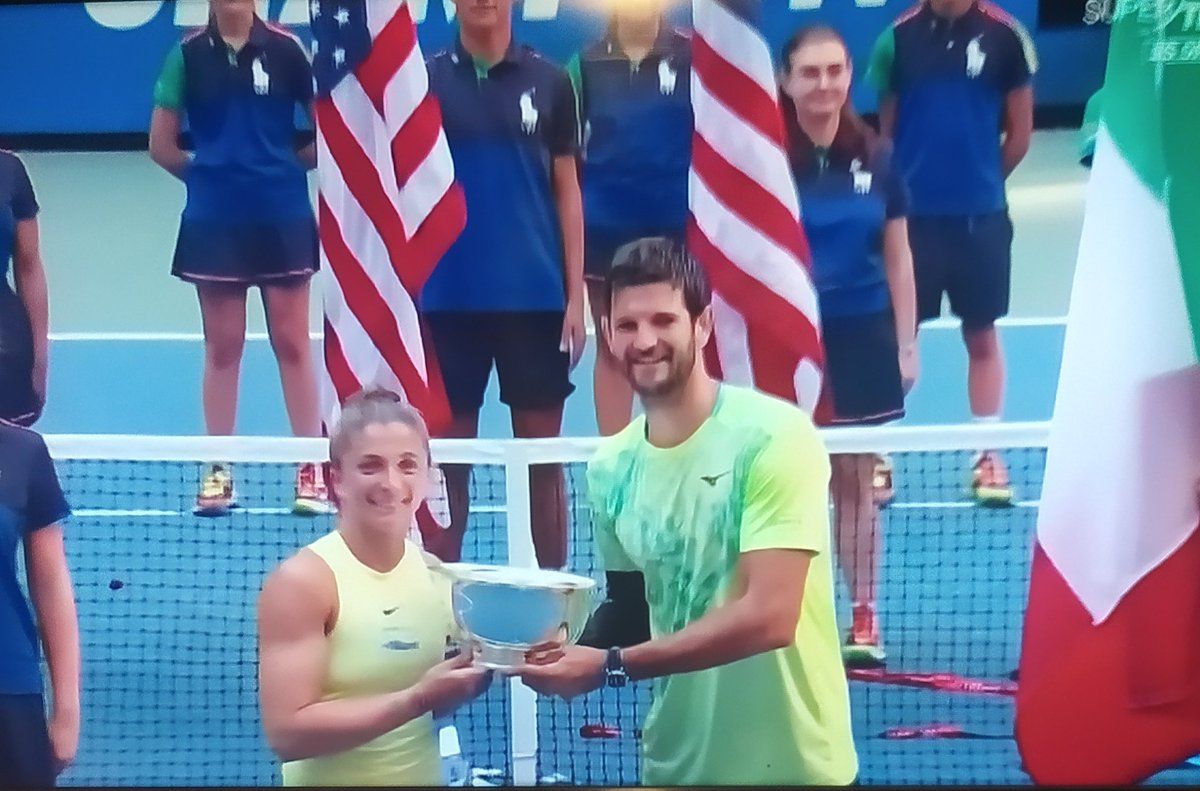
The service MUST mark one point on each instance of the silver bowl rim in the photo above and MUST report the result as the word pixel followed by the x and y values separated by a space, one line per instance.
pixel 480 573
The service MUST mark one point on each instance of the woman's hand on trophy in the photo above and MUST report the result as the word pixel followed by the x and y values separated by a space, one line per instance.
pixel 578 671
pixel 544 653
pixel 449 684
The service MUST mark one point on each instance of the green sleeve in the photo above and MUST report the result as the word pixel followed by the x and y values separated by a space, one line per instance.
pixel 879 68
pixel 575 73
pixel 786 502
pixel 612 554
pixel 168 90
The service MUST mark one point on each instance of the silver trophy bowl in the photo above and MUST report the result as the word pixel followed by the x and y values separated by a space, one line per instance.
pixel 506 611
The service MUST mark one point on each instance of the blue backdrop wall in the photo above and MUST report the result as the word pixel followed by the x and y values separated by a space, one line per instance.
pixel 90 67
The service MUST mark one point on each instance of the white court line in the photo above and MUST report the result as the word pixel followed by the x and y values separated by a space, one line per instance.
pixel 196 337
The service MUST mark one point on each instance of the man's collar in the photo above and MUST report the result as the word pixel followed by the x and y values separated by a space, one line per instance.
pixel 463 57
pixel 259 33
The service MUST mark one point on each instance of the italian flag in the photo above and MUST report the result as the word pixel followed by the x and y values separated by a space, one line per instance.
pixel 1110 664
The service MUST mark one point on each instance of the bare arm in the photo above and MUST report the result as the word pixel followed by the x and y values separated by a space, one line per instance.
pixel 761 616
pixel 164 142
pixel 1018 127
pixel 297 605
pixel 58 622
pixel 30 276
pixel 569 200
pixel 898 261
pixel 887 116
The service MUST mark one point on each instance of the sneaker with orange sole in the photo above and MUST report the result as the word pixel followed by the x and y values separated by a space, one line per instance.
pixel 312 494
pixel 989 481
pixel 864 648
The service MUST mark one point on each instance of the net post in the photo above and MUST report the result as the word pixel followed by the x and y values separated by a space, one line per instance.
pixel 523 700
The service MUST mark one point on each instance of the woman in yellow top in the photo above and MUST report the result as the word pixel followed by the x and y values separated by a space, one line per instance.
pixel 353 628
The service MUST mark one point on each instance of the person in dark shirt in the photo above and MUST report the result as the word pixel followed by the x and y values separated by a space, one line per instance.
pixel 32 750
pixel 248 220
pixel 855 209
pixel 24 312
pixel 508 294
pixel 955 79
pixel 633 89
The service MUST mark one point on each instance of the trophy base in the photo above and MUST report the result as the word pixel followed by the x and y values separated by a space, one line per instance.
pixel 499 657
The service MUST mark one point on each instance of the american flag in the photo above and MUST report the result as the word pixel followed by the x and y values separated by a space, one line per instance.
pixel 389 206
pixel 744 226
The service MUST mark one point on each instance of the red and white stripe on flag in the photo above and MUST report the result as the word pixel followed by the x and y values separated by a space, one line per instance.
pixel 388 209
pixel 745 226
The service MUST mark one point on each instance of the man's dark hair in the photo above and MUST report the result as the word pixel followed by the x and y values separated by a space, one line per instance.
pixel 659 259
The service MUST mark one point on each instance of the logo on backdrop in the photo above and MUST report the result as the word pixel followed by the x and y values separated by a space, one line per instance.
pixel 132 14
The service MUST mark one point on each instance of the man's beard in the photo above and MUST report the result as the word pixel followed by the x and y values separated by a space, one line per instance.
pixel 679 367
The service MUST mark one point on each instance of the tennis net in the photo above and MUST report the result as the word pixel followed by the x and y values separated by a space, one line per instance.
pixel 167 610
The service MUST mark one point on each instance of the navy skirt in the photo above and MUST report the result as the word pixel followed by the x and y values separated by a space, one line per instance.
pixel 862 369
pixel 247 231
pixel 18 403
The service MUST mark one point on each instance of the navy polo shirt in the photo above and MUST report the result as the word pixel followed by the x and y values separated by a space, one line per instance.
pixel 17 203
pixel 637 134
pixel 951 79
pixel 504 125
pixel 845 203
pixel 241 112
pixel 30 499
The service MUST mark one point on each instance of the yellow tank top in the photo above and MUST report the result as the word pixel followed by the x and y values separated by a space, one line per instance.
pixel 391 628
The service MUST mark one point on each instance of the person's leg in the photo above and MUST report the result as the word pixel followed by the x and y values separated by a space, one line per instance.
pixel 223 316
pixel 463 343
pixel 286 308
pixel 448 545
pixel 856 530
pixel 547 487
pixel 856 524
pixel 535 383
pixel 979 295
pixel 985 370
pixel 610 389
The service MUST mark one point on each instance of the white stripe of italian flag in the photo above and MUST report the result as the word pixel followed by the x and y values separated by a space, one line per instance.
pixel 1110 665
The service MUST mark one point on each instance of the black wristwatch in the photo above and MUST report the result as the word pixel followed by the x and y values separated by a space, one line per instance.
pixel 614 669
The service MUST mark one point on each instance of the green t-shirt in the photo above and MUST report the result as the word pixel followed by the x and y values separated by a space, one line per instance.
pixel 754 476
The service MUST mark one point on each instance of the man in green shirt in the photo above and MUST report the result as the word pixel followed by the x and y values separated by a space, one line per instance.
pixel 716 499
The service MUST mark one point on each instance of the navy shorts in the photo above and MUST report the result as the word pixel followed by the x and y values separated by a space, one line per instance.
pixel 523 346
pixel 26 760
pixel 968 258
pixel 18 403
pixel 257 253
pixel 862 369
